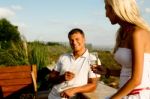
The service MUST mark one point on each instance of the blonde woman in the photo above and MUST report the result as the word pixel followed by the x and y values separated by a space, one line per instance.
pixel 132 49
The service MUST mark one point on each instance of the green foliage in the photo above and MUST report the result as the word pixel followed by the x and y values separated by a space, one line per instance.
pixel 43 54
pixel 107 59
pixel 56 50
pixel 13 55
pixel 12 50
pixel 52 43
pixel 8 32
pixel 38 54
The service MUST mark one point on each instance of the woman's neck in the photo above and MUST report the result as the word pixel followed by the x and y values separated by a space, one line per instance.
pixel 126 25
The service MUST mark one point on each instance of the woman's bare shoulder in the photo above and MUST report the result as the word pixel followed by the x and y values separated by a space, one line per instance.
pixel 143 36
pixel 139 32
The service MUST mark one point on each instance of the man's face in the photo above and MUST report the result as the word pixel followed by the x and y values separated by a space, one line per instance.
pixel 77 42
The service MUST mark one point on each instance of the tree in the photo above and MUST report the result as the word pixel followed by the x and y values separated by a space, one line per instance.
pixel 12 49
pixel 8 32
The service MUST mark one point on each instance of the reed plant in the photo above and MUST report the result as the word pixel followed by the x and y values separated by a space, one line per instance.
pixel 38 53
pixel 13 53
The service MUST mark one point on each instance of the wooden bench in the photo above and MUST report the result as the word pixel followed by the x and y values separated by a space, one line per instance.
pixel 16 80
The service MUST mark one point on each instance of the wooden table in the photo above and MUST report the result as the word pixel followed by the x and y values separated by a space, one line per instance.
pixel 101 92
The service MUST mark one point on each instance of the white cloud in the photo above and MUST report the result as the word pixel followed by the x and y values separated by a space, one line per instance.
pixel 147 10
pixel 6 13
pixel 16 7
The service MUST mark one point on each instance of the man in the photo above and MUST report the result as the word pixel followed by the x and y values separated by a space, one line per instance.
pixel 72 73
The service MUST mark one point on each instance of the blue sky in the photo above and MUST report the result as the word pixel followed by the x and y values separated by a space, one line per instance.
pixel 51 20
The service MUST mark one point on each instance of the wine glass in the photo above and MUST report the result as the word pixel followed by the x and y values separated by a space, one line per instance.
pixel 70 83
pixel 94 60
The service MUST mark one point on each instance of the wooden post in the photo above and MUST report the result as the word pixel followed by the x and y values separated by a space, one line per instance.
pixel 34 76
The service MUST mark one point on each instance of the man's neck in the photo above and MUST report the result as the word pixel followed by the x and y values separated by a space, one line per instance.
pixel 79 53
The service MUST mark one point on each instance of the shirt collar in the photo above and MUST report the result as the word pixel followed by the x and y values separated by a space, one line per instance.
pixel 86 53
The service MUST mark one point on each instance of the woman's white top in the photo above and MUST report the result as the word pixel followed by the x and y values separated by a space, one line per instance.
pixel 124 57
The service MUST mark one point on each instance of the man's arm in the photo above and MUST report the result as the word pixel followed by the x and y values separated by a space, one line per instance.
pixel 89 87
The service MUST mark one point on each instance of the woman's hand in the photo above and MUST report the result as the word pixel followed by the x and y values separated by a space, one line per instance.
pixel 99 69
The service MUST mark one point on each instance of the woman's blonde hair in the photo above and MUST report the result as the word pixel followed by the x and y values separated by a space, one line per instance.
pixel 128 11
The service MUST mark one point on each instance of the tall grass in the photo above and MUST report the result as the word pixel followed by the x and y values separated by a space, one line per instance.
pixel 13 53
pixel 56 50
pixel 38 53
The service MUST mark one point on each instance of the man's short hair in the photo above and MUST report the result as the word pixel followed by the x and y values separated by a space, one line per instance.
pixel 75 30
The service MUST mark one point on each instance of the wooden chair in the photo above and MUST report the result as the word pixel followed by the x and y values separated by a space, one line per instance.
pixel 16 81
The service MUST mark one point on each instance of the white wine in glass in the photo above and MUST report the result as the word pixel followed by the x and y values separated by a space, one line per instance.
pixel 70 83
pixel 94 60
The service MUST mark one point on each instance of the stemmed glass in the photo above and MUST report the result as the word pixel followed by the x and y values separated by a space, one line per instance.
pixel 94 60
pixel 69 83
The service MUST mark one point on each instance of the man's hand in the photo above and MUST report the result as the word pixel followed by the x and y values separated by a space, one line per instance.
pixel 68 93
pixel 69 75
